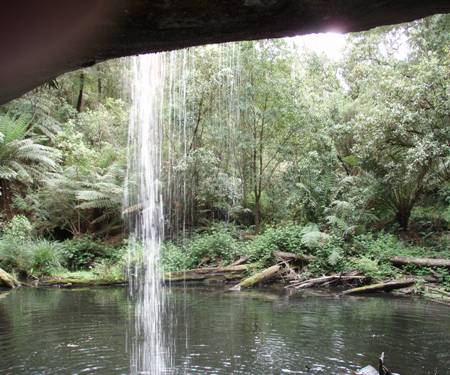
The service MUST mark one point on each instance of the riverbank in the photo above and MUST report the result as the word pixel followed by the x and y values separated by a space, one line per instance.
pixel 299 256
pixel 290 271
pixel 293 257
pixel 227 278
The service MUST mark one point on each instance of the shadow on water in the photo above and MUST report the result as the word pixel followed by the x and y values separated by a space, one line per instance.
pixel 87 331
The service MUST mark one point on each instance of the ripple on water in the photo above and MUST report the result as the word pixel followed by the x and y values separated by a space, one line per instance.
pixel 85 332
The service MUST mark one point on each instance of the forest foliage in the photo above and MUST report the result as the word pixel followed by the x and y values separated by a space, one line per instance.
pixel 348 159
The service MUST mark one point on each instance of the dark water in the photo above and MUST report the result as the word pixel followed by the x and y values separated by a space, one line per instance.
pixel 56 331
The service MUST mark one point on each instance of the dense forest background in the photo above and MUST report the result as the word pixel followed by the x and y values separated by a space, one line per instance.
pixel 265 146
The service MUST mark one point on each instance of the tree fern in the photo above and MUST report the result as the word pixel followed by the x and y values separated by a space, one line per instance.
pixel 23 157
pixel 23 160
pixel 312 237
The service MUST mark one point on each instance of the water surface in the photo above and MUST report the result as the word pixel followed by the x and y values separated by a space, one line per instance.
pixel 87 331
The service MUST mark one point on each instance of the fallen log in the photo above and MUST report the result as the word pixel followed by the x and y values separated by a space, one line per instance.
pixel 291 257
pixel 257 278
pixel 326 280
pixel 421 262
pixel 217 274
pixel 381 287
pixel 8 280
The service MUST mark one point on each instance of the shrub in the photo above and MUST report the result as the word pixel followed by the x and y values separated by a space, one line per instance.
pixel 46 258
pixel 110 271
pixel 18 229
pixel 385 246
pixel 83 252
pixel 330 256
pixel 290 238
pixel 213 248
pixel 15 255
pixel 372 267
pixel 36 258
pixel 175 258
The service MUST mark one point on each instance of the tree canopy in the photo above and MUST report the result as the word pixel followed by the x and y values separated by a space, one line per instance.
pixel 255 133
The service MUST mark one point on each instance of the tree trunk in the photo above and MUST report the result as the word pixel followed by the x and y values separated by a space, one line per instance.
pixel 257 213
pixel 5 198
pixel 402 217
pixel 99 87
pixel 80 93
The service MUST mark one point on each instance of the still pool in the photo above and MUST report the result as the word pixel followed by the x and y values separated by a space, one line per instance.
pixel 87 331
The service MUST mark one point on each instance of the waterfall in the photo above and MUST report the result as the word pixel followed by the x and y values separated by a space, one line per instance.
pixel 165 89
pixel 143 207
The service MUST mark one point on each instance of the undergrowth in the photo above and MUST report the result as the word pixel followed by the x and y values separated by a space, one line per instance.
pixel 369 253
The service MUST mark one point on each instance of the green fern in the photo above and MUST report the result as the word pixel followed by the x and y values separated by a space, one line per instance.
pixel 22 158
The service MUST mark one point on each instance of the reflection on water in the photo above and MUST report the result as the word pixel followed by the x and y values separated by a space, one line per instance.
pixel 53 331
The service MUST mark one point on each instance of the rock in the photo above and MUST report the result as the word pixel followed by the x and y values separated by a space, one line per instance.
pixel 8 280
pixel 48 38
pixel 368 370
